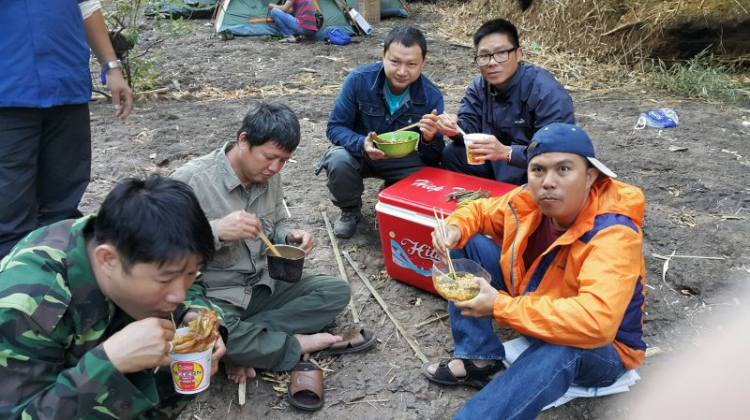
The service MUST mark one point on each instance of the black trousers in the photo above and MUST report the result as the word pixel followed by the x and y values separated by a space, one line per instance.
pixel 45 167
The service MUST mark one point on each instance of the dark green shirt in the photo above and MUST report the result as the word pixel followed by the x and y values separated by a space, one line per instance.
pixel 53 321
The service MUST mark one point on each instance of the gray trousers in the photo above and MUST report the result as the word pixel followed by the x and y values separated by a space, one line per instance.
pixel 346 173
pixel 261 336
pixel 45 167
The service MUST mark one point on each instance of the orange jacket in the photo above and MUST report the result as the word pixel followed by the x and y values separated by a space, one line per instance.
pixel 588 288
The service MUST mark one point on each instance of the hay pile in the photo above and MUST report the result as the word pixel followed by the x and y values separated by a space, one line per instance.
pixel 569 36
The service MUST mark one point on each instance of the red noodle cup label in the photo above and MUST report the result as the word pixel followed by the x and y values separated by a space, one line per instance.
pixel 188 376
pixel 191 372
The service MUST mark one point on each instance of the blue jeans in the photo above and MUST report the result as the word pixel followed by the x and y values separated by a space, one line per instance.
pixel 475 338
pixel 288 24
pixel 346 173
pixel 541 375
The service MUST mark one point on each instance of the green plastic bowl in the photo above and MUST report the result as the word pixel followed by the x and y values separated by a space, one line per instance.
pixel 399 144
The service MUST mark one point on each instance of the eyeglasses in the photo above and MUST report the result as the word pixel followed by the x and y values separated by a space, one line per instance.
pixel 500 57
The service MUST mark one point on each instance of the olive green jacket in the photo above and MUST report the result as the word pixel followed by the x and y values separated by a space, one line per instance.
pixel 237 265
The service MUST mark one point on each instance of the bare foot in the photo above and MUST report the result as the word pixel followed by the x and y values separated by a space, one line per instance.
pixel 310 343
pixel 457 366
pixel 238 374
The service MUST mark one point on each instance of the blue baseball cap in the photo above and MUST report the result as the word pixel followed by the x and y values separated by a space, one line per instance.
pixel 565 138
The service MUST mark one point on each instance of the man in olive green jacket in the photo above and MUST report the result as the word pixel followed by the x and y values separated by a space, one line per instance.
pixel 271 324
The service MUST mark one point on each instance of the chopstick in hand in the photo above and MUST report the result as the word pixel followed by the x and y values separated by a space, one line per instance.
pixel 171 316
pixel 269 244
pixel 440 224
pixel 448 119
pixel 407 127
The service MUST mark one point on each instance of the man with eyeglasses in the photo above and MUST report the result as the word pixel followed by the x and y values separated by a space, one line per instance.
pixel 509 101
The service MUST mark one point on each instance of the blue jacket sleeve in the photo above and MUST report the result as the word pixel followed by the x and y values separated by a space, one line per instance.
pixel 470 111
pixel 550 103
pixel 344 117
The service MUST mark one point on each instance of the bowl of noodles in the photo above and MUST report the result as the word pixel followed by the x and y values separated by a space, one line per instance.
pixel 464 285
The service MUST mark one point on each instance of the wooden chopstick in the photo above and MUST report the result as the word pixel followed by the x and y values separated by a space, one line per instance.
pixel 269 244
pixel 171 316
pixel 441 231
pixel 445 234
pixel 407 127
pixel 448 119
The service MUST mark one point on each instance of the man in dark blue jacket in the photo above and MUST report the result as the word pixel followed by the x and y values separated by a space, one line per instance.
pixel 380 98
pixel 508 101
pixel 45 88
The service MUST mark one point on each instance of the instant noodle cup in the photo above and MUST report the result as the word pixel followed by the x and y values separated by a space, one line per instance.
pixel 465 285
pixel 191 372
pixel 471 158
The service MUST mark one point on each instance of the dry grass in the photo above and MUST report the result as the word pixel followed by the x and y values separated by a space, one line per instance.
pixel 596 42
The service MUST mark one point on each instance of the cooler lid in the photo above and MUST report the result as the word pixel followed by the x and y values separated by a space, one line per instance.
pixel 428 188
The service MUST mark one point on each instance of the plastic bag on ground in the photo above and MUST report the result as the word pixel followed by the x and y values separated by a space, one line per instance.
pixel 658 118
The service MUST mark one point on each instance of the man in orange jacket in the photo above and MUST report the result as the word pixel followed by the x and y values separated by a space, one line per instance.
pixel 569 275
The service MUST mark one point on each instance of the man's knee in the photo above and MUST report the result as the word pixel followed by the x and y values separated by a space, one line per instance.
pixel 336 291
pixel 453 156
pixel 338 159
pixel 340 293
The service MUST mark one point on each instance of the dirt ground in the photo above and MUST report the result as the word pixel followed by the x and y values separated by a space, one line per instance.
pixel 695 178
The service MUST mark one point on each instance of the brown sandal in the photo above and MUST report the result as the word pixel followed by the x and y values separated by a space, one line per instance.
pixel 355 340
pixel 306 386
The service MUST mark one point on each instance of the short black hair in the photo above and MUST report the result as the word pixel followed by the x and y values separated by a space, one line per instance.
pixel 154 220
pixel 407 36
pixel 497 26
pixel 271 121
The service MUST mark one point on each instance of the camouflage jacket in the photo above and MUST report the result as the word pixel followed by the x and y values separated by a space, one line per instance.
pixel 53 321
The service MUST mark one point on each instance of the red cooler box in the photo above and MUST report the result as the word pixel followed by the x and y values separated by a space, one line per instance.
pixel 406 219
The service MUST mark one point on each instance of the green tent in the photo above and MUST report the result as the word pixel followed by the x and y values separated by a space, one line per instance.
pixel 392 8
pixel 252 17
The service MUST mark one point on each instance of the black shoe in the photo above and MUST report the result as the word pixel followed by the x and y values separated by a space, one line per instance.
pixel 346 225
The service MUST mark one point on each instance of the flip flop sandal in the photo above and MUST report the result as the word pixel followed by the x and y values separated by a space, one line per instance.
pixel 355 340
pixel 475 377
pixel 306 386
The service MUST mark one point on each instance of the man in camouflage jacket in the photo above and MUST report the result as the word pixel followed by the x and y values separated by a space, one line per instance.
pixel 85 307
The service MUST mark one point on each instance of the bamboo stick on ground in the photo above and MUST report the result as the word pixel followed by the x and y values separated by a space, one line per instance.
pixel 431 320
pixel 241 393
pixel 399 327
pixel 342 270
pixel 697 257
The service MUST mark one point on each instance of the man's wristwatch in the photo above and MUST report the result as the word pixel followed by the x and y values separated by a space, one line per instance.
pixel 117 64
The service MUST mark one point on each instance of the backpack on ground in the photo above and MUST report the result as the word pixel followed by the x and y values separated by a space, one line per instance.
pixel 336 37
